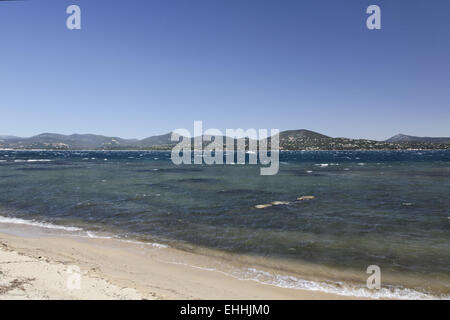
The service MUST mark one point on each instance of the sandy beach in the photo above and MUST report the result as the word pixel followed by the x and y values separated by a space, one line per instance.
pixel 64 268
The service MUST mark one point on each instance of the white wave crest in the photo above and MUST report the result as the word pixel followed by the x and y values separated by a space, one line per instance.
pixel 322 164
pixel 36 224
pixel 96 236
pixel 153 244
pixel 339 288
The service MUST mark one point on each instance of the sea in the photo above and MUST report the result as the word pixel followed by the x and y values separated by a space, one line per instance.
pixel 327 216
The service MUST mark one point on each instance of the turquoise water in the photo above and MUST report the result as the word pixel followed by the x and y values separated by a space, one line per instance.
pixel 386 208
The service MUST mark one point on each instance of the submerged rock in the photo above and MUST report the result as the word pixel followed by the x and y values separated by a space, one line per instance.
pixel 279 203
pixel 262 206
pixel 302 198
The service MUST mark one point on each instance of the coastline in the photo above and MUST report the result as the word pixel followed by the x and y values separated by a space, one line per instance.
pixel 94 217
pixel 36 267
pixel 170 150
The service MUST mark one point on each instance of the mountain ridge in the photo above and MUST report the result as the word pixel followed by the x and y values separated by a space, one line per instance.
pixel 300 139
pixel 400 138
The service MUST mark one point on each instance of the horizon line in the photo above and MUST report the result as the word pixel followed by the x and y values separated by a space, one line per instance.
pixel 155 135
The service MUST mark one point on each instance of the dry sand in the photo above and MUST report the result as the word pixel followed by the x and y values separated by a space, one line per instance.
pixel 47 268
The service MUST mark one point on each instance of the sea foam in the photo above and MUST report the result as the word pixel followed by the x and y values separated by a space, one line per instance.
pixel 339 288
pixel 36 224
pixel 88 234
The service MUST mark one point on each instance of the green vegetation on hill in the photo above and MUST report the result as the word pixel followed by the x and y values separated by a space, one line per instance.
pixel 289 140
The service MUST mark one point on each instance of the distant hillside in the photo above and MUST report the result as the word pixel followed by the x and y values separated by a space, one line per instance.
pixel 289 140
pixel 60 141
pixel 163 139
pixel 6 137
pixel 310 140
pixel 401 138
pixel 302 134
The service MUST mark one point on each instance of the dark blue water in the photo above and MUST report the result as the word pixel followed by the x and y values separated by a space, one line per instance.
pixel 388 208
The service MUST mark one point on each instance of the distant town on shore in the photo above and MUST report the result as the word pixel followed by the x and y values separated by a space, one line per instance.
pixel 289 140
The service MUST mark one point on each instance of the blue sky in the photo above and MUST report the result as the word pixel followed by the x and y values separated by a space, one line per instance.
pixel 139 68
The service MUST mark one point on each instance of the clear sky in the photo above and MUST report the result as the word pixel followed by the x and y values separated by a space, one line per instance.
pixel 143 67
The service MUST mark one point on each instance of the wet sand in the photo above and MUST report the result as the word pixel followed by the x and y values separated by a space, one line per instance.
pixel 50 267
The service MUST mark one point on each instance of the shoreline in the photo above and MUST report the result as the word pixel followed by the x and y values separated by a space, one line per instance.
pixel 170 150
pixel 38 267
pixel 152 270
